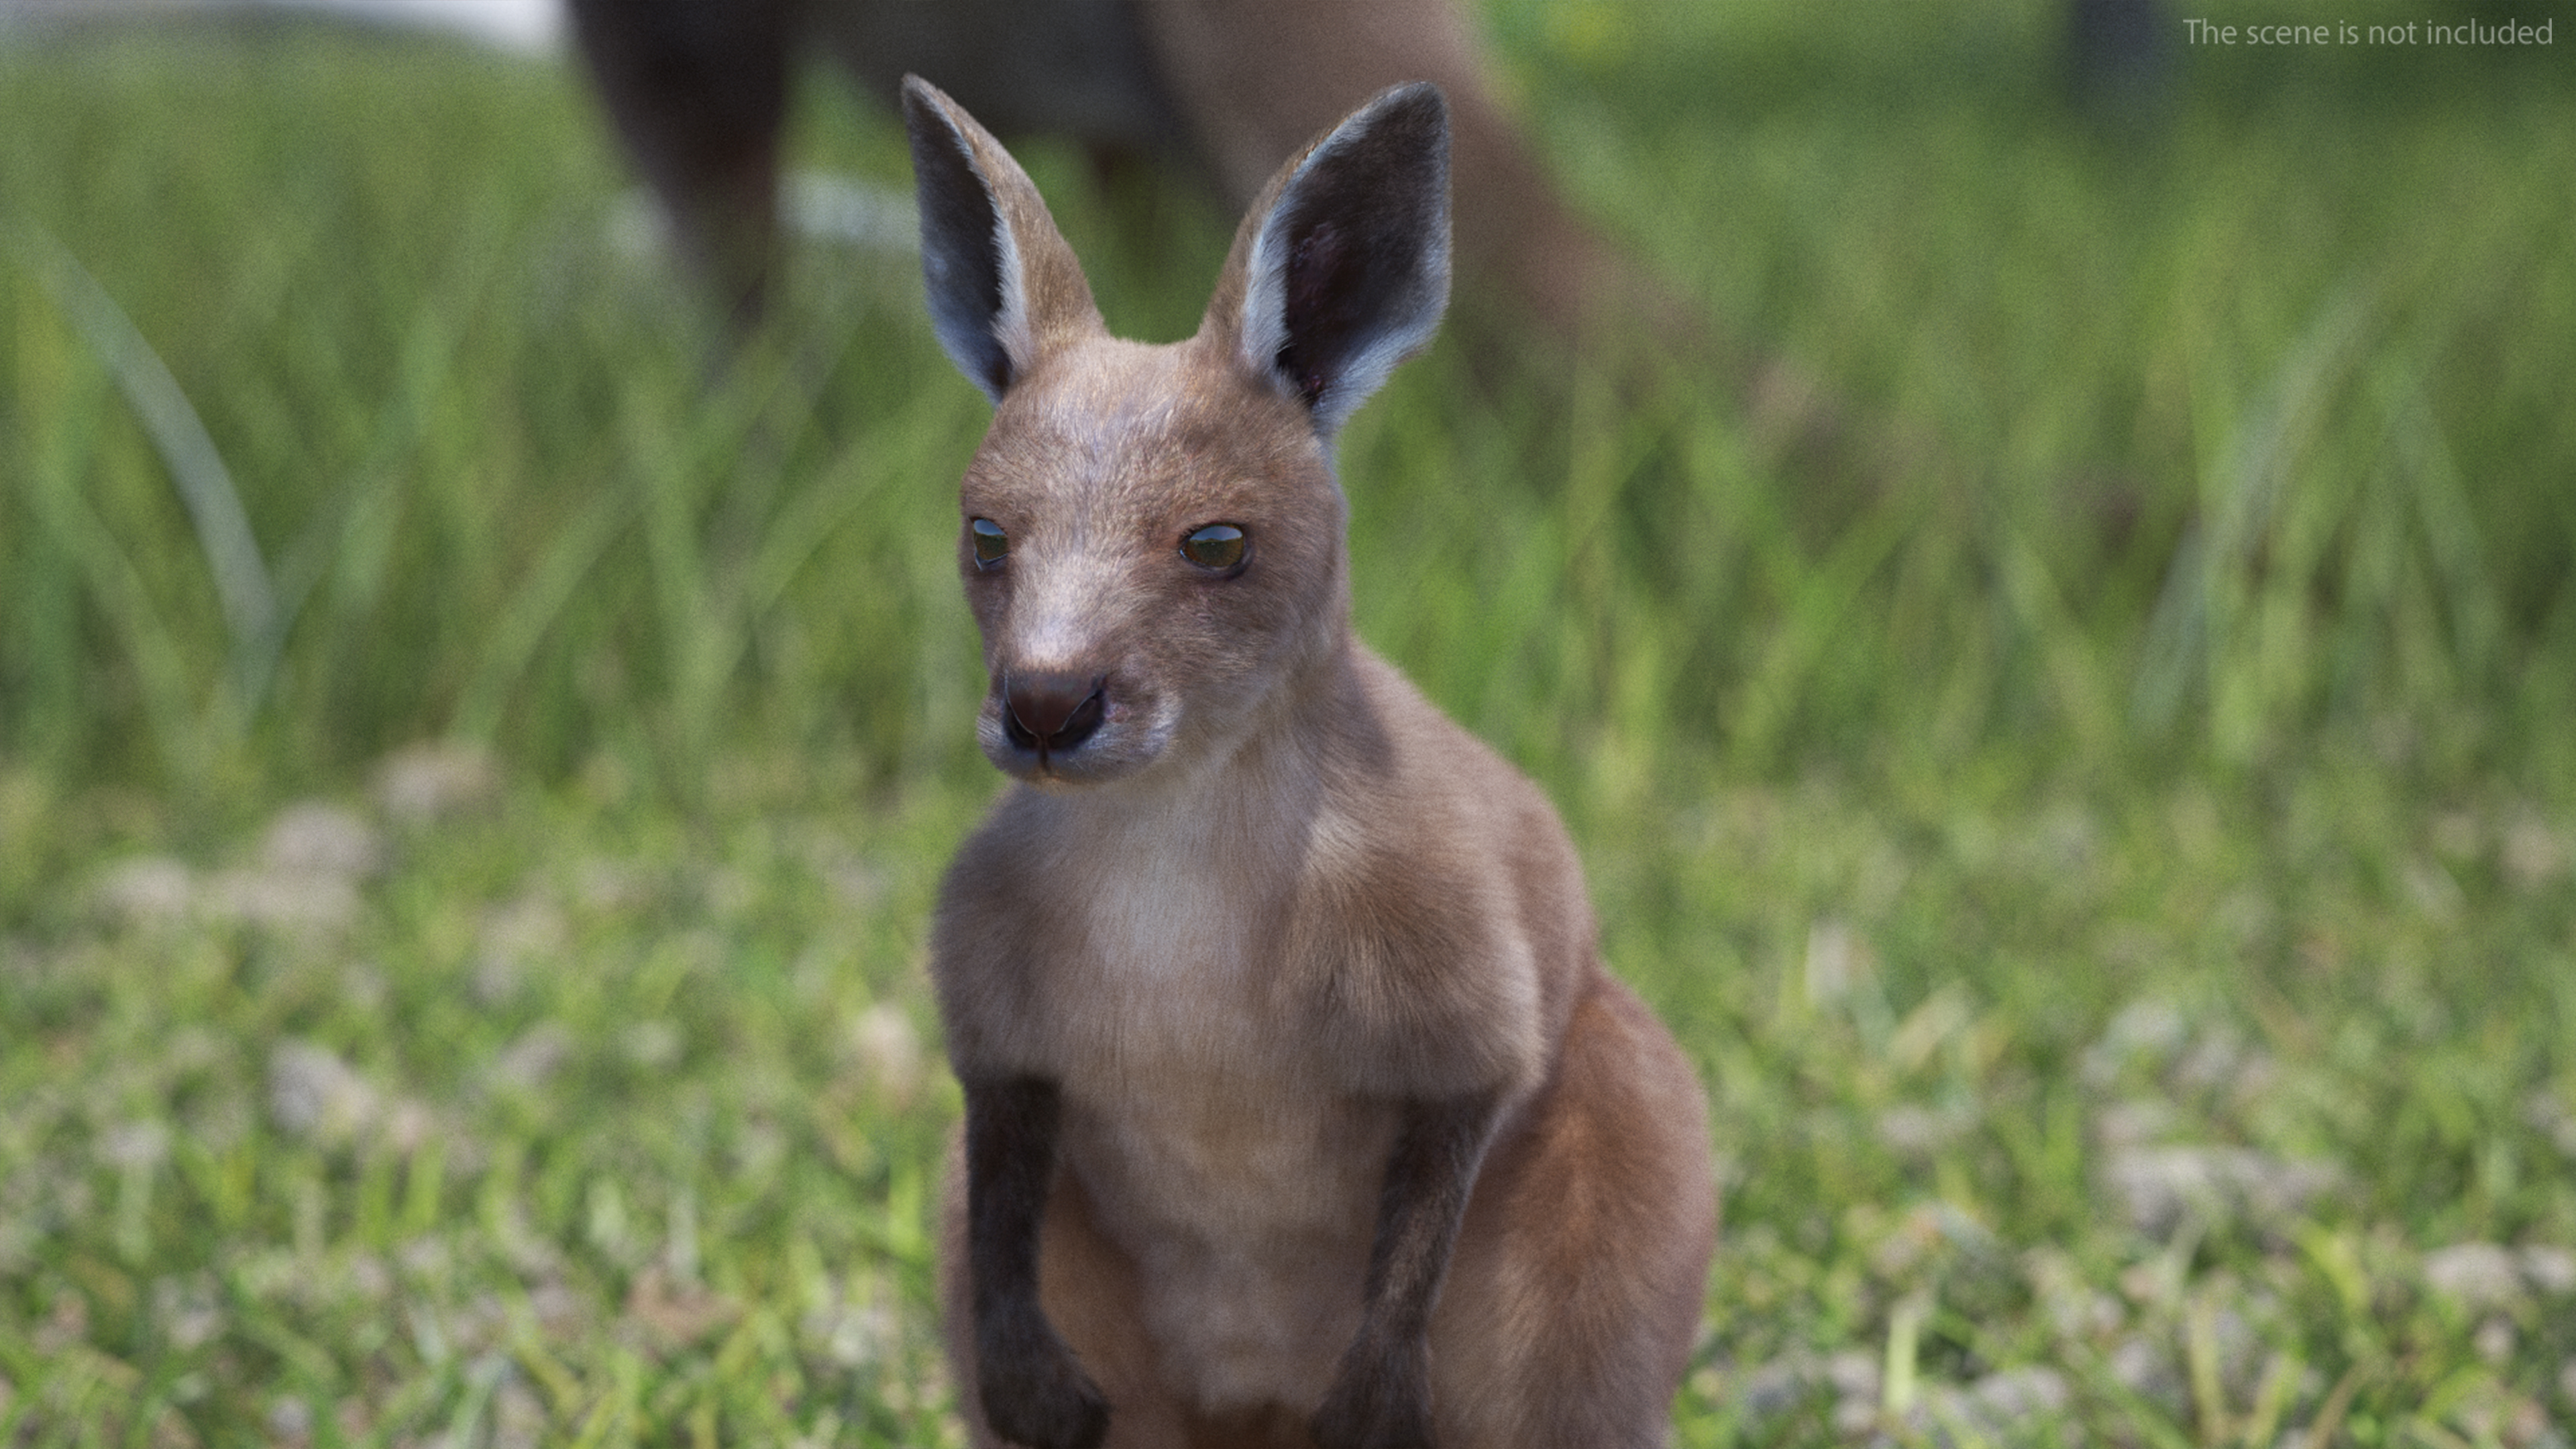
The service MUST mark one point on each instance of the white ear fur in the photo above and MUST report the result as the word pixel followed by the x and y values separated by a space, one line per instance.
pixel 1011 323
pixel 1348 273
pixel 1010 326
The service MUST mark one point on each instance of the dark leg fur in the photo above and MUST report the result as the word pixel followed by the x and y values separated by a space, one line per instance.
pixel 698 89
pixel 1034 1391
pixel 1381 1393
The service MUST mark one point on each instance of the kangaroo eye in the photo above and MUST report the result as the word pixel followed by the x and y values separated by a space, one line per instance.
pixel 1217 547
pixel 990 543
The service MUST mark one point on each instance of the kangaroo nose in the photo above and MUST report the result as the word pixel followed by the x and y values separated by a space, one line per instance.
pixel 1051 713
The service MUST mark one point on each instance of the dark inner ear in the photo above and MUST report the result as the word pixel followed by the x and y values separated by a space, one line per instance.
pixel 961 259
pixel 1359 223
pixel 1327 295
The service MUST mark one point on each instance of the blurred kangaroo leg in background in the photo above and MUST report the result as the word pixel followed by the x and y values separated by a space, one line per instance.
pixel 698 91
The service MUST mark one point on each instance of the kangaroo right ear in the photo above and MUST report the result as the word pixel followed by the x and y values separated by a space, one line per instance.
pixel 1003 286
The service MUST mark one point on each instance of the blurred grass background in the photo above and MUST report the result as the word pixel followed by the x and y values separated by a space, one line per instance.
pixel 2112 860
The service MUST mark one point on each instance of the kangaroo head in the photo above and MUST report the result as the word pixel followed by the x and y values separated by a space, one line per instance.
pixel 1151 536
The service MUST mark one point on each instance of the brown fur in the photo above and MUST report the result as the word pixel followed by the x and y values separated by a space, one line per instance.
pixel 1279 925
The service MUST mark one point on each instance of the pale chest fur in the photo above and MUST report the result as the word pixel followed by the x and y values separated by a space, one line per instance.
pixel 1204 1120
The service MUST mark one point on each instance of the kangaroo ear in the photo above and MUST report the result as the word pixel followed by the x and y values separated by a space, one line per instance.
pixel 1341 269
pixel 1004 287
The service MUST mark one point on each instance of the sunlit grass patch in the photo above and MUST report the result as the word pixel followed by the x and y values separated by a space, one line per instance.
pixel 2154 1118
pixel 533 1121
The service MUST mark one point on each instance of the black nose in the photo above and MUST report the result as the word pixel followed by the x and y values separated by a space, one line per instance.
pixel 1051 713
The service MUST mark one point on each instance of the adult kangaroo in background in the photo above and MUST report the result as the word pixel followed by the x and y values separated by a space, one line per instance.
pixel 1300 1108
pixel 698 89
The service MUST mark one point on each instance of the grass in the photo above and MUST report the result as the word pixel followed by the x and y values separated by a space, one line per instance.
pixel 2116 867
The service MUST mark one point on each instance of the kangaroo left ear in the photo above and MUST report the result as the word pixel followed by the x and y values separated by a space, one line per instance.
pixel 1341 269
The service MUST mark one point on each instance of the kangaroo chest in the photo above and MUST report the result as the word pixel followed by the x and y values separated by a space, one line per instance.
pixel 1207 1127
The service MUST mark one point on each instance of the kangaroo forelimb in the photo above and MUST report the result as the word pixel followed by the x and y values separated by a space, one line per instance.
pixel 1381 1393
pixel 1034 1391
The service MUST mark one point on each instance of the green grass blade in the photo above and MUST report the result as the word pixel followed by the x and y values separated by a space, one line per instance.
pixel 197 470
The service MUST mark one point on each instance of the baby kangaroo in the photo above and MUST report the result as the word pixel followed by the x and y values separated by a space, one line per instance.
pixel 1299 1107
